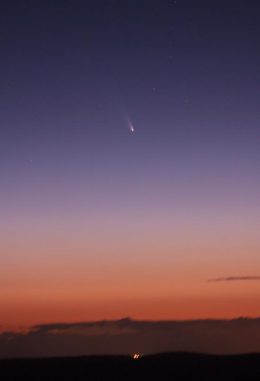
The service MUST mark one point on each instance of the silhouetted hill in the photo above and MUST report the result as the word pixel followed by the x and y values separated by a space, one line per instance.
pixel 167 366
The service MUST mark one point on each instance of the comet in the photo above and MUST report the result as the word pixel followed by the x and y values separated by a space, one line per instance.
pixel 130 126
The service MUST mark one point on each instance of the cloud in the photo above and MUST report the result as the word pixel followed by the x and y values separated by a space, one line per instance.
pixel 128 336
pixel 103 327
pixel 235 279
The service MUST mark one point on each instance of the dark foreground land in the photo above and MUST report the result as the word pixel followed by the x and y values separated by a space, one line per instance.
pixel 170 366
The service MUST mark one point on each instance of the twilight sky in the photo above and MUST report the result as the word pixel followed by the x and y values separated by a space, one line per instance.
pixel 98 222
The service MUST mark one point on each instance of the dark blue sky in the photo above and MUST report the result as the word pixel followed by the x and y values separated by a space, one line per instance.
pixel 186 74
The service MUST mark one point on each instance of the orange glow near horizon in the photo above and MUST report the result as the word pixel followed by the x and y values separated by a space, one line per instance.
pixel 27 310
pixel 151 264
pixel 71 285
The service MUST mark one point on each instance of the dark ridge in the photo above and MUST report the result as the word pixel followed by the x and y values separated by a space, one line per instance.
pixel 163 366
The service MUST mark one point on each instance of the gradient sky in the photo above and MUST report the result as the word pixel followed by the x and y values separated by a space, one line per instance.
pixel 98 222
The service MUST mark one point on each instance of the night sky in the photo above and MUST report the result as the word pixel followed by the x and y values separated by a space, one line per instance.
pixel 129 160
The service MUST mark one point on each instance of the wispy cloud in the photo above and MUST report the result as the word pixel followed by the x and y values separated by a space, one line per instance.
pixel 234 279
